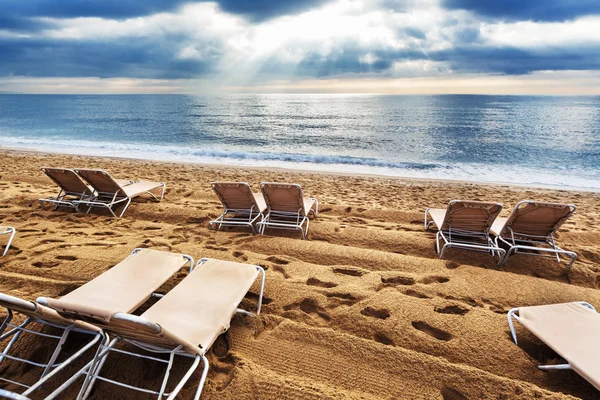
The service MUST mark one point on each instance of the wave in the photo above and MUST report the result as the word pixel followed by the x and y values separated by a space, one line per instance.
pixel 478 172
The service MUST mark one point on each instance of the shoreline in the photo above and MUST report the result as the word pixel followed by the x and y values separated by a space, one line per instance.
pixel 441 181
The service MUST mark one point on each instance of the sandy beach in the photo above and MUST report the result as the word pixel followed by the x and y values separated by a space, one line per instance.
pixel 364 309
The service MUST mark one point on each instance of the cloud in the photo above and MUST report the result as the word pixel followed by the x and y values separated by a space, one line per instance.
pixel 533 10
pixel 261 10
pixel 232 43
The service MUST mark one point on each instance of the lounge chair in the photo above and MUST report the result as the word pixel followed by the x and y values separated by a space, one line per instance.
pixel 570 329
pixel 111 194
pixel 530 227
pixel 241 206
pixel 125 287
pixel 38 316
pixel 7 230
pixel 185 322
pixel 464 224
pixel 71 188
pixel 287 207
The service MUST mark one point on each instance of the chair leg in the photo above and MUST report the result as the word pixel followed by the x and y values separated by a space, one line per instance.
pixel 202 378
pixel 12 231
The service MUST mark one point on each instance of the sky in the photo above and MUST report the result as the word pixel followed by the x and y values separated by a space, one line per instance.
pixel 300 46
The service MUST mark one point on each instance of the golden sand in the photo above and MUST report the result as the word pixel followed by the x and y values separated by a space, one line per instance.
pixel 362 310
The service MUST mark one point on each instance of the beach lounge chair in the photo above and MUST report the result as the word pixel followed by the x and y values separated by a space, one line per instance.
pixel 530 229
pixel 71 188
pixel 464 224
pixel 110 193
pixel 7 230
pixel 287 207
pixel 38 317
pixel 570 329
pixel 125 287
pixel 185 322
pixel 241 206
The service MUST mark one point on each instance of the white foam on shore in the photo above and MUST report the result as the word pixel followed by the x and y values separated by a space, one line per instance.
pixel 563 178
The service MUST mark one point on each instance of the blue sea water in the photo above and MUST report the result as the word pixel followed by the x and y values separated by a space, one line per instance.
pixel 533 140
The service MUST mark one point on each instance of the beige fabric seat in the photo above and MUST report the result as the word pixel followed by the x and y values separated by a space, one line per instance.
pixel 7 230
pixel 240 205
pixel 111 193
pixel 186 321
pixel 287 207
pixel 123 288
pixel 531 227
pixel 464 224
pixel 570 329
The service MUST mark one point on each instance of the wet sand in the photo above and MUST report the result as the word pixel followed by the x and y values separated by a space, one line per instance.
pixel 362 310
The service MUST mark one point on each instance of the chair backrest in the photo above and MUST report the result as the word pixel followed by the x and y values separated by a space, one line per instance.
pixel 283 197
pixel 123 288
pixel 235 195
pixel 534 218
pixel 67 180
pixel 470 216
pixel 101 181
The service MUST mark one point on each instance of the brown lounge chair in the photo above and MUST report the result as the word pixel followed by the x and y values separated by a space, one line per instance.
pixel 185 322
pixel 37 317
pixel 531 226
pixel 287 207
pixel 465 224
pixel 110 193
pixel 71 188
pixel 570 329
pixel 7 230
pixel 241 206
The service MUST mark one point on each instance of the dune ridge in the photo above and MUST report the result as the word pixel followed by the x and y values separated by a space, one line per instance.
pixel 363 310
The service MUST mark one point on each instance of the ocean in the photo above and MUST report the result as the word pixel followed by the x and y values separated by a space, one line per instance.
pixel 531 140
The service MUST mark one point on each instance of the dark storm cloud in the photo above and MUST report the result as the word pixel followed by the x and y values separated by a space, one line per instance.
pixel 260 10
pixel 535 10
pixel 131 59
pixel 16 13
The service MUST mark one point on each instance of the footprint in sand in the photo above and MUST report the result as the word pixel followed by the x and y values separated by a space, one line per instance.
pixel 317 282
pixel 434 332
pixel 451 309
pixel 452 394
pixel 349 271
pixel 380 313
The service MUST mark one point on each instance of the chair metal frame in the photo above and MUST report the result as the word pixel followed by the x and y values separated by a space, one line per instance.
pixel 464 239
pixel 110 200
pixel 520 243
pixel 92 369
pixel 12 231
pixel 243 217
pixel 51 367
pixel 60 200
pixel 512 314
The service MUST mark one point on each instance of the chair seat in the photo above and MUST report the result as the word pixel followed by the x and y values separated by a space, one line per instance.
pixel 498 226
pixel 309 202
pixel 138 188
pixel 438 215
pixel 260 201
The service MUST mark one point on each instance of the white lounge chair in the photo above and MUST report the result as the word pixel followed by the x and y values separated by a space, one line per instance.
pixel 71 188
pixel 241 206
pixel 570 329
pixel 530 230
pixel 465 224
pixel 110 193
pixel 7 230
pixel 185 322
pixel 126 286
pixel 287 207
